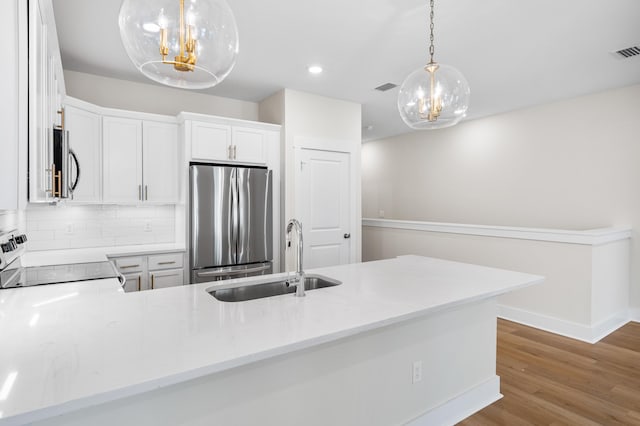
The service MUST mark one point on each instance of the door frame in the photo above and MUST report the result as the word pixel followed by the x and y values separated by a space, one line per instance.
pixel 339 146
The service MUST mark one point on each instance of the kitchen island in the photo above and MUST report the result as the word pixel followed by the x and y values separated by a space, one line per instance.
pixel 400 340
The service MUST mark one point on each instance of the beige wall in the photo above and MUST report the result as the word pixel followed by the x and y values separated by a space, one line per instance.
pixel 571 164
pixel 122 94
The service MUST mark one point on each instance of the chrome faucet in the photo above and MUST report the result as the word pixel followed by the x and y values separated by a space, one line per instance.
pixel 299 279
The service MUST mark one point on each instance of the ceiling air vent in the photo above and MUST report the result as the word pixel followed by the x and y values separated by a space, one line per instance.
pixel 628 52
pixel 386 86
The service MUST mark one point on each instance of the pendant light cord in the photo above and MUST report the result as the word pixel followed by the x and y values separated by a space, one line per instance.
pixel 431 48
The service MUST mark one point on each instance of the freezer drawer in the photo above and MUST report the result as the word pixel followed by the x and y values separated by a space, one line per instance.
pixel 227 273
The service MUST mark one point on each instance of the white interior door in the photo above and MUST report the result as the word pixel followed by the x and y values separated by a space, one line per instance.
pixel 323 207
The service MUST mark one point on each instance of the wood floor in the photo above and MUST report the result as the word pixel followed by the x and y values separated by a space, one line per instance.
pixel 548 379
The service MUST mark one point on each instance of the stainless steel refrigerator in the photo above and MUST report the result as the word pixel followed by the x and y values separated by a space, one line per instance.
pixel 231 222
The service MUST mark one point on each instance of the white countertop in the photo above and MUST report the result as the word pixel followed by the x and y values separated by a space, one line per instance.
pixel 93 254
pixel 69 346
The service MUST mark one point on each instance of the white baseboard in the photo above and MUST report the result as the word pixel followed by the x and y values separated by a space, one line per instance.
pixel 585 333
pixel 462 406
pixel 634 314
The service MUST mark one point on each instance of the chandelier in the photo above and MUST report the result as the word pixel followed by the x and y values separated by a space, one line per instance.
pixel 434 96
pixel 190 44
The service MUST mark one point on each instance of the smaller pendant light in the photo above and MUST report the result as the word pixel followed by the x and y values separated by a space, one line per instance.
pixel 434 96
pixel 190 44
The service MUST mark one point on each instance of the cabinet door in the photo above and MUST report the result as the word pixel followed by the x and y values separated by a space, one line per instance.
pixel 166 278
pixel 160 161
pixel 210 141
pixel 133 282
pixel 85 134
pixel 122 160
pixel 39 129
pixel 249 145
pixel 9 109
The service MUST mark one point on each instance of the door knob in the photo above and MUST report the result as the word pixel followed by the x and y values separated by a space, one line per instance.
pixel 347 235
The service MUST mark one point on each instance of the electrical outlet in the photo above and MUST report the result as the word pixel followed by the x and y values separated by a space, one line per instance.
pixel 147 227
pixel 417 372
pixel 68 228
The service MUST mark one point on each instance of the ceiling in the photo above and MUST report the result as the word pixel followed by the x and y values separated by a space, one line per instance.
pixel 513 53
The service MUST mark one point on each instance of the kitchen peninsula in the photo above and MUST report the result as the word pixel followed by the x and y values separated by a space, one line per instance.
pixel 398 340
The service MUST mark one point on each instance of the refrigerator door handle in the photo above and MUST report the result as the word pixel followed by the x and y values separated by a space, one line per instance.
pixel 232 272
pixel 233 232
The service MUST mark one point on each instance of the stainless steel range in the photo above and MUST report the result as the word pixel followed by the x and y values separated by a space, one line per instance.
pixel 13 274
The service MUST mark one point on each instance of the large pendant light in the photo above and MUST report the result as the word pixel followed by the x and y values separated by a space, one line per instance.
pixel 434 96
pixel 191 44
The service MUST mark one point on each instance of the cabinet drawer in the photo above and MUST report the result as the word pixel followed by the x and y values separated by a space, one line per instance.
pixel 165 261
pixel 129 264
pixel 166 278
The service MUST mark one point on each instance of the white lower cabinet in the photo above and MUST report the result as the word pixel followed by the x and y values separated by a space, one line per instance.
pixel 150 272
pixel 168 278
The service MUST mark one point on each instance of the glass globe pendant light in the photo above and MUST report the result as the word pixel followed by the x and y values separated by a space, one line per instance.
pixel 190 44
pixel 434 96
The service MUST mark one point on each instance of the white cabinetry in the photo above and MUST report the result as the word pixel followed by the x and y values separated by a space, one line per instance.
pixel 230 143
pixel 140 161
pixel 150 272
pixel 249 145
pixel 46 90
pixel 210 141
pixel 160 161
pixel 122 159
pixel 13 112
pixel 85 135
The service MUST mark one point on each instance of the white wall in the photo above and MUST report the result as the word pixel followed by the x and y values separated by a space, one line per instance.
pixel 571 164
pixel 68 226
pixel 153 98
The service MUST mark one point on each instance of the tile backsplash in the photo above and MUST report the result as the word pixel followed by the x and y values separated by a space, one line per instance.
pixel 64 226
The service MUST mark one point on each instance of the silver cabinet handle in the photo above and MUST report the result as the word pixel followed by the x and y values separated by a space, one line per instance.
pixel 140 192
pixel 129 266
pixel 347 236
pixel 235 149
pixel 229 152
pixel 167 263
pixel 146 192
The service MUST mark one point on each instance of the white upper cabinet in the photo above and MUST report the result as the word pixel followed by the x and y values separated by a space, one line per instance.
pixel 140 161
pixel 228 143
pixel 46 91
pixel 160 161
pixel 210 141
pixel 122 159
pixel 85 136
pixel 249 145
pixel 13 144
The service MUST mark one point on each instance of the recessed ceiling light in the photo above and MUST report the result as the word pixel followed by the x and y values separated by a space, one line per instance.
pixel 315 69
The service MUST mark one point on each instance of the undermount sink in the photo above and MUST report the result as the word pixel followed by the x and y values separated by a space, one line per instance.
pixel 274 288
